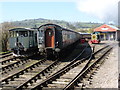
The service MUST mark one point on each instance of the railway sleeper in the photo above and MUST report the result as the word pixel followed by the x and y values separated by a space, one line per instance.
pixel 38 76
pixel 92 70
pixel 85 73
pixel 62 73
pixel 7 59
pixel 58 76
pixel 7 81
pixel 6 70
pixel 17 76
pixel 3 72
pixel 79 85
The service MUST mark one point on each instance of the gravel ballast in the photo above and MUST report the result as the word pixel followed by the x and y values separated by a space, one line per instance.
pixel 107 75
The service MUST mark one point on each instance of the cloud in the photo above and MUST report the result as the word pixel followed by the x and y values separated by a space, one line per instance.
pixel 105 10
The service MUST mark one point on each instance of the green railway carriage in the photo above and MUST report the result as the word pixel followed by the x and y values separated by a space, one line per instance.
pixel 23 41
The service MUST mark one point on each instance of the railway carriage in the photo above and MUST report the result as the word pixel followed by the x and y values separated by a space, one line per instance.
pixel 23 41
pixel 52 39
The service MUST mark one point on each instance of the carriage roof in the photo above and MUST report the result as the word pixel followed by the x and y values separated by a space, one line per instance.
pixel 22 29
pixel 50 24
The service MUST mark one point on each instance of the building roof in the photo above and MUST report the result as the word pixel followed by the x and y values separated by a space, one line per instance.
pixel 106 28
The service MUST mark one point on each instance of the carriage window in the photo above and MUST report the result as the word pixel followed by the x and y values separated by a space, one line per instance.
pixel 14 33
pixel 17 34
pixel 41 32
pixel 31 33
pixel 11 34
pixel 23 34
pixel 50 33
pixel 26 34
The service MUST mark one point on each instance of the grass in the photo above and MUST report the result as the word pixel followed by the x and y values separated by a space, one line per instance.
pixel 5 52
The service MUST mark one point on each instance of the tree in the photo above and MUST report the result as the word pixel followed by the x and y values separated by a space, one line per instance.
pixel 91 30
pixel 70 26
pixel 4 35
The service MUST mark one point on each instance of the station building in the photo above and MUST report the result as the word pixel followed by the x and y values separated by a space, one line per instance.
pixel 108 32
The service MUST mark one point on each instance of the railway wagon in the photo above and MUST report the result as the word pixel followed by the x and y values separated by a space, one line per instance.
pixel 23 41
pixel 52 39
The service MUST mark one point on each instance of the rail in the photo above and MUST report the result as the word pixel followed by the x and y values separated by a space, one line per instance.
pixel 6 55
pixel 16 75
pixel 8 60
pixel 10 66
pixel 37 76
pixel 85 70
pixel 63 71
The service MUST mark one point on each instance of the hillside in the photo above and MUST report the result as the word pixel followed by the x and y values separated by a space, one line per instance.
pixel 31 23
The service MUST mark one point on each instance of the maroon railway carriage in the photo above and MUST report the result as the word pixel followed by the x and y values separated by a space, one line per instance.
pixel 52 39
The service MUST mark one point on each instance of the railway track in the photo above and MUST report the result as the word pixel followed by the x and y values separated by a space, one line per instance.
pixel 62 79
pixel 38 78
pixel 82 79
pixel 5 55
pixel 6 60
pixel 33 76
pixel 16 64
pixel 10 64
pixel 35 80
pixel 21 76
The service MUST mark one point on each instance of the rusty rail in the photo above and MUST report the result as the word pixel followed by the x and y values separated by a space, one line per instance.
pixel 8 60
pixel 37 76
pixel 8 54
pixel 12 65
pixel 63 71
pixel 85 70
pixel 16 75
pixel 34 79
pixel 72 64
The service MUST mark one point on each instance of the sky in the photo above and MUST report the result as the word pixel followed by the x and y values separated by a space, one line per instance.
pixel 68 10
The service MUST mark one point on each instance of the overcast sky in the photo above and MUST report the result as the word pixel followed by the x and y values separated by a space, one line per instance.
pixel 68 10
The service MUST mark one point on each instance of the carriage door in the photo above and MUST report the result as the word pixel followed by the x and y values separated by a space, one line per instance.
pixel 49 38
